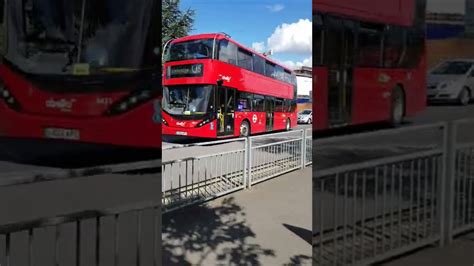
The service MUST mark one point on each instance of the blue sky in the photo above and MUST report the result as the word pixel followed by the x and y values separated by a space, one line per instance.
pixel 253 22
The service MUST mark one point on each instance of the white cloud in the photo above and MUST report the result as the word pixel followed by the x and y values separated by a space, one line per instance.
pixel 275 8
pixel 259 47
pixel 295 65
pixel 294 38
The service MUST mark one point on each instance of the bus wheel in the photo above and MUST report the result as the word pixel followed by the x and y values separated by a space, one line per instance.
pixel 465 96
pixel 244 129
pixel 288 125
pixel 398 108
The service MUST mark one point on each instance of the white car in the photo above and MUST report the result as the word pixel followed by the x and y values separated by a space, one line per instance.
pixel 305 117
pixel 452 81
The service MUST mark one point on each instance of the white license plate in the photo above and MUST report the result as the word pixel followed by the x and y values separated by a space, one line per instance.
pixel 61 133
pixel 181 133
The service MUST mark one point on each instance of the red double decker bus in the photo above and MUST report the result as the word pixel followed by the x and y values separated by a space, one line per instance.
pixel 214 87
pixel 84 71
pixel 369 63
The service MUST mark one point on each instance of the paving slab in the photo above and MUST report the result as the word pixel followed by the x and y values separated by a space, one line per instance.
pixel 269 224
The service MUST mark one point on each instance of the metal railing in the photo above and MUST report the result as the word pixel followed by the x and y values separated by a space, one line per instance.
pixel 126 235
pixel 129 235
pixel 370 211
pixel 199 178
pixel 309 146
pixel 211 173
pixel 275 155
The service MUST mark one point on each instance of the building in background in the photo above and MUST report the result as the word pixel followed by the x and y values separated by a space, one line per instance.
pixel 450 35
pixel 304 79
pixel 469 18
pixel 444 25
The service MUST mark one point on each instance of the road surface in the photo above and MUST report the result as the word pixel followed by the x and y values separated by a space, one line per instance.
pixel 354 150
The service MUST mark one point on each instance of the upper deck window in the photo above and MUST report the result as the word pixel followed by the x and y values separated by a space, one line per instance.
pixel 258 64
pixel 269 69
pixel 188 50
pixel 228 52
pixel 245 59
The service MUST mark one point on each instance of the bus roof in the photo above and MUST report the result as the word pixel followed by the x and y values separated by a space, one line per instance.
pixel 221 36
pixel 396 12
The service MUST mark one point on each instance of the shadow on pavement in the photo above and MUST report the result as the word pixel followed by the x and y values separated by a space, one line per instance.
pixel 205 235
pixel 300 260
pixel 304 234
pixel 307 236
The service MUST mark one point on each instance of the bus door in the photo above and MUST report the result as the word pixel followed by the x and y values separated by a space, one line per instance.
pixel 225 111
pixel 270 113
pixel 339 51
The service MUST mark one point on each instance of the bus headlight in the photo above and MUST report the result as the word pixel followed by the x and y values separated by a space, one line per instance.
pixel 133 100
pixel 8 98
pixel 204 122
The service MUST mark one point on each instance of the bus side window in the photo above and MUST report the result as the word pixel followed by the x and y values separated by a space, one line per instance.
pixel 258 64
pixel 269 104
pixel 245 59
pixel 393 46
pixel 228 52
pixel 369 45
pixel 279 106
pixel 318 39
pixel 244 102
pixel 3 28
pixel 2 11
pixel 414 49
pixel 259 103
pixel 269 69
pixel 287 107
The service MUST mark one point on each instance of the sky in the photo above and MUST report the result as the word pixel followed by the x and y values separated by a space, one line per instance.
pixel 456 6
pixel 283 26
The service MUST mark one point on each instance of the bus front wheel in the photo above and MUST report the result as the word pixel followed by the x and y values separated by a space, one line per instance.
pixel 245 129
pixel 397 113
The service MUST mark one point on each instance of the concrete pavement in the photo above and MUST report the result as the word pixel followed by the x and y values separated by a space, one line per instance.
pixel 460 253
pixel 269 224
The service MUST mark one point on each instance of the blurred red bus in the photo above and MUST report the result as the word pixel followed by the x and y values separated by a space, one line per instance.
pixel 80 70
pixel 370 61
pixel 214 87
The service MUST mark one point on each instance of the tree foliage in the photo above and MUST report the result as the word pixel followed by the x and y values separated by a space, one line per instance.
pixel 176 23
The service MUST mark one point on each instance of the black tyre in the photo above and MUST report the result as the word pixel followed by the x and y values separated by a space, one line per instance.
pixel 245 129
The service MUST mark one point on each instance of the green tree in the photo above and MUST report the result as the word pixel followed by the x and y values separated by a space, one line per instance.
pixel 176 23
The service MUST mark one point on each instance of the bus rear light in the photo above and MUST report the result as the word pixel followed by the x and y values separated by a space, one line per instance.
pixel 133 100
pixel 9 99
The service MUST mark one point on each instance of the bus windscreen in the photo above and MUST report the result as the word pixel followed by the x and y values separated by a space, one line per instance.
pixel 80 37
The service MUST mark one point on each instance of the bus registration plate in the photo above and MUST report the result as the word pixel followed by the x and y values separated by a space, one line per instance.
pixel 181 133
pixel 61 133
